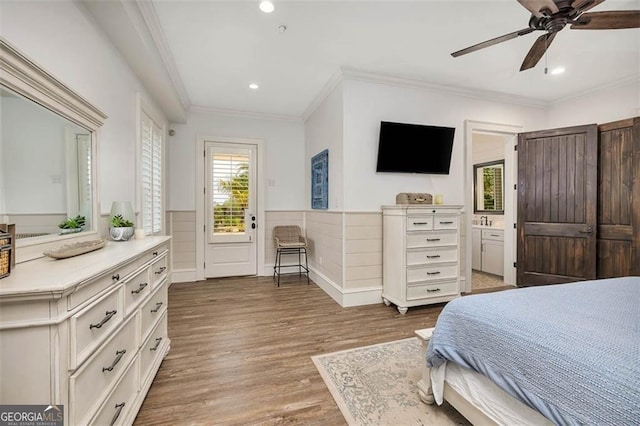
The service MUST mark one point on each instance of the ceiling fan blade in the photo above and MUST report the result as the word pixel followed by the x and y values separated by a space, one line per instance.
pixel 610 20
pixel 584 5
pixel 537 50
pixel 539 8
pixel 492 42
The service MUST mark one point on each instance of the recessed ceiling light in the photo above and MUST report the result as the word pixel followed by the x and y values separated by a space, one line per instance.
pixel 253 86
pixel 557 70
pixel 266 6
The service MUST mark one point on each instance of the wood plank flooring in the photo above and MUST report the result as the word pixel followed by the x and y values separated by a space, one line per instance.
pixel 241 348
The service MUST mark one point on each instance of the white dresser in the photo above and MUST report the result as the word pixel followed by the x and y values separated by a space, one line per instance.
pixel 421 254
pixel 87 332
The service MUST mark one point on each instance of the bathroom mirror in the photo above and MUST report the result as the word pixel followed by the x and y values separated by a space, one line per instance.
pixel 488 187
pixel 47 157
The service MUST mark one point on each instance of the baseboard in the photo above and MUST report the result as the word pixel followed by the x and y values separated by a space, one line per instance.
pixel 347 297
pixel 183 275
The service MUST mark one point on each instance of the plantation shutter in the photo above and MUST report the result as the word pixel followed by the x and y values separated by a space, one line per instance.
pixel 151 176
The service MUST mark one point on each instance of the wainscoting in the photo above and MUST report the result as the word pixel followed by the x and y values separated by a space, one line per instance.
pixel 345 250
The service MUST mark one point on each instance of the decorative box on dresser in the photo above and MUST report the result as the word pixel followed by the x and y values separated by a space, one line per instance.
pixel 421 254
pixel 87 332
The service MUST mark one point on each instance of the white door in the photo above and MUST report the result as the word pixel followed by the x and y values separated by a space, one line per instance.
pixel 231 213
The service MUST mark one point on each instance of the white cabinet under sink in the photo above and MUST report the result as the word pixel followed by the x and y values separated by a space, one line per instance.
pixel 488 250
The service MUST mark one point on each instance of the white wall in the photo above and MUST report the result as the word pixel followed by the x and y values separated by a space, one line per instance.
pixel 602 106
pixel 283 157
pixel 60 37
pixel 324 130
pixel 366 104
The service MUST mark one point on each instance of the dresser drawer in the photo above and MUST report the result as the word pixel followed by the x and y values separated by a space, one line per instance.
pixel 159 271
pixel 85 292
pixel 430 273
pixel 432 290
pixel 153 349
pixel 92 325
pixel 93 381
pixel 445 222
pixel 432 239
pixel 155 253
pixel 117 407
pixel 136 289
pixel 419 223
pixel 432 255
pixel 153 309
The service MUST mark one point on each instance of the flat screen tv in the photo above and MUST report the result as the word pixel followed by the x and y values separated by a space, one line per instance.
pixel 414 148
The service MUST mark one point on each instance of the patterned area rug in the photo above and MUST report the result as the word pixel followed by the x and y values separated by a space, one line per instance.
pixel 377 385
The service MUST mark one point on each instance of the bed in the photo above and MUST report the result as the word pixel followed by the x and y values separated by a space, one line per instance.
pixel 565 354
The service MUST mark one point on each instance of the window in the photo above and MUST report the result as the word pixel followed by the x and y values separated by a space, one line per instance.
pixel 151 176
pixel 230 173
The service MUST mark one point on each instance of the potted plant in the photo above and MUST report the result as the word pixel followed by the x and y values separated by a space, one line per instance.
pixel 121 229
pixel 72 225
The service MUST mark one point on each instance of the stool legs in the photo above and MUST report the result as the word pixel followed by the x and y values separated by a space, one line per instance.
pixel 278 262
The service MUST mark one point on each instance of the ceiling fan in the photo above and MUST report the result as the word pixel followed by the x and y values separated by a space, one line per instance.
pixel 551 16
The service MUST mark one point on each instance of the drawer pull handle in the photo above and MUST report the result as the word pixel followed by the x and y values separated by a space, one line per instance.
pixel 115 277
pixel 420 223
pixel 119 355
pixel 432 290
pixel 155 253
pixel 494 235
pixel 433 239
pixel 433 257
pixel 119 408
pixel 448 222
pixel 433 273
pixel 155 348
pixel 139 289
pixel 161 270
pixel 108 316
pixel 157 308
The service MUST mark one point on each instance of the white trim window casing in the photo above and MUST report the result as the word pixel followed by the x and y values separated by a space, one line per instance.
pixel 150 173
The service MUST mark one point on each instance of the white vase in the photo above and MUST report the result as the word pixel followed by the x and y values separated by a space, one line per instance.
pixel 121 233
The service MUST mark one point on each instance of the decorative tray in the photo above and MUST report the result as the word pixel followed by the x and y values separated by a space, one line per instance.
pixel 75 249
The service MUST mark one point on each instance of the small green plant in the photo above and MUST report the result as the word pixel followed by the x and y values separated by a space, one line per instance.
pixel 118 221
pixel 73 223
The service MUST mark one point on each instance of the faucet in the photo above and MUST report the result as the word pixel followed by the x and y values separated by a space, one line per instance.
pixel 484 220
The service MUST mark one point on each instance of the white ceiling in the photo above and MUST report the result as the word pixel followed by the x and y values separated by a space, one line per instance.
pixel 216 48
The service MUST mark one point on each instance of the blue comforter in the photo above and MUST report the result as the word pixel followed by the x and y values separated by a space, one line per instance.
pixel 570 351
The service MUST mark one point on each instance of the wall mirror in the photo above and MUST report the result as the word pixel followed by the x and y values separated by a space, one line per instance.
pixel 488 187
pixel 47 157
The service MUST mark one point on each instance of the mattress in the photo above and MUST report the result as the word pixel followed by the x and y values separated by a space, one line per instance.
pixel 568 351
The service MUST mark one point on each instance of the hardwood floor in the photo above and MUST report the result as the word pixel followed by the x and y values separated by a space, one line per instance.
pixel 241 348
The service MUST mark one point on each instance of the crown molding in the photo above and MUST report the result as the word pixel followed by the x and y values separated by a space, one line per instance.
pixel 326 90
pixel 634 78
pixel 360 75
pixel 150 18
pixel 244 114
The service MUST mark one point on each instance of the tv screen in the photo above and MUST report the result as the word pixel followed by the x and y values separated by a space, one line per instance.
pixel 413 148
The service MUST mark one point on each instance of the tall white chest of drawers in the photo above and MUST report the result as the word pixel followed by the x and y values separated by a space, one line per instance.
pixel 87 332
pixel 421 254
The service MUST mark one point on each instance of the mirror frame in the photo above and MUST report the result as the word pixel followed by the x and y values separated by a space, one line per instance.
pixel 475 186
pixel 23 76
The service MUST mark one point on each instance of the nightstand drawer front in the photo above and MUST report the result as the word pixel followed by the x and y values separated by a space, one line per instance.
pixel 419 223
pixel 445 222
pixel 432 290
pixel 430 256
pixel 94 380
pixel 89 327
pixel 432 239
pixel 430 273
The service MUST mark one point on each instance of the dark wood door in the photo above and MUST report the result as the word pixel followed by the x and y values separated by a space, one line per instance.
pixel 619 198
pixel 557 205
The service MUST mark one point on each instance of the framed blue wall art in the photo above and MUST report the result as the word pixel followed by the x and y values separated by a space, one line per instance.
pixel 320 180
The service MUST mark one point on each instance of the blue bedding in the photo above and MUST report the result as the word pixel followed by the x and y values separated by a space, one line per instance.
pixel 570 351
